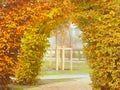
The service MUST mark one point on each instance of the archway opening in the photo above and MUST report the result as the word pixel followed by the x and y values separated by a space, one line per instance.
pixel 65 58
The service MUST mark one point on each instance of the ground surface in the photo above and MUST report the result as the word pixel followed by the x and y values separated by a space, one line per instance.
pixel 80 83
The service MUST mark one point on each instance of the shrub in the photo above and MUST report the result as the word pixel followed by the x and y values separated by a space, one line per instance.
pixel 33 46
pixel 12 24
pixel 99 20
pixel 35 41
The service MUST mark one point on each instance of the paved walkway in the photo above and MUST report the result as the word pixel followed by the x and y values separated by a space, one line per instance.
pixel 79 82
pixel 65 76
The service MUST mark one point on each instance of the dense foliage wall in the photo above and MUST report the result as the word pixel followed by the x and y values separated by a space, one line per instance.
pixel 13 21
pixel 100 22
pixel 33 46
pixel 25 26
pixel 35 41
pixel 22 18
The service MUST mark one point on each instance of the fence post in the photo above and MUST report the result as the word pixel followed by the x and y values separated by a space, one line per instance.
pixel 56 58
pixel 63 59
pixel 71 52
pixel 50 62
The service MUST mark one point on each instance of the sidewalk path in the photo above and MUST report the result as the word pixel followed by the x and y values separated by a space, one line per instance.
pixel 65 76
pixel 80 82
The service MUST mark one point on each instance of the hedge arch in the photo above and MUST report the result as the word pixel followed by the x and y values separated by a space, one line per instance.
pixel 100 23
pixel 99 20
pixel 25 27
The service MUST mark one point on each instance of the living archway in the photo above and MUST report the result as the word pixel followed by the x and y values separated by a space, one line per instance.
pixel 99 21
pixel 96 20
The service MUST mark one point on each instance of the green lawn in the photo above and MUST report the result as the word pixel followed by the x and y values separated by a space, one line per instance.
pixel 78 68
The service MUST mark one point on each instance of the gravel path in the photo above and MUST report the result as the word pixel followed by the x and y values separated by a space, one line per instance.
pixel 74 84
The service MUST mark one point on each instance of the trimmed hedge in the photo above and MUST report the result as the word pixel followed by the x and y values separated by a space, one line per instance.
pixel 100 22
pixel 33 46
pixel 35 41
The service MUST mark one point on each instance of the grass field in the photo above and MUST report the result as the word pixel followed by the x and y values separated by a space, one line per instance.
pixel 78 68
